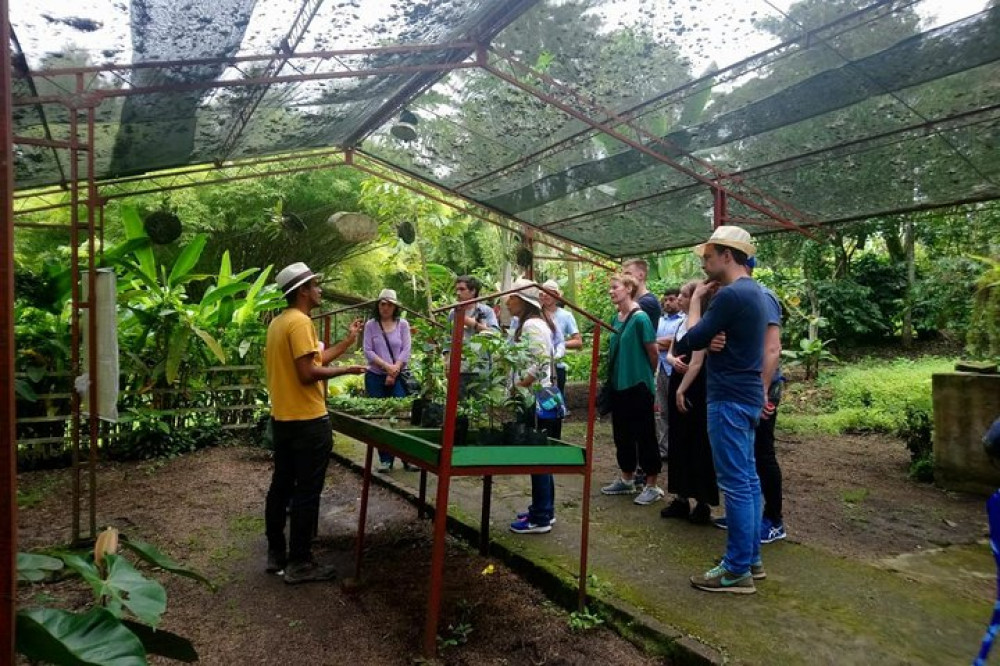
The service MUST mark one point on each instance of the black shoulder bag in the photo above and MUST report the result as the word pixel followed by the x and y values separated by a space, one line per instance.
pixel 410 383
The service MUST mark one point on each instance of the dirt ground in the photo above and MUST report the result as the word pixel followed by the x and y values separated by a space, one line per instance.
pixel 849 495
pixel 206 510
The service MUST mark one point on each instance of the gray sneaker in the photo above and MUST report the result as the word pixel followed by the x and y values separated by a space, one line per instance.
pixel 649 495
pixel 619 487
pixel 307 572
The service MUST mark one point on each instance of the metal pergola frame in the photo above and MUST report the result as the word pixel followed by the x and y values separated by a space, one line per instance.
pixel 86 192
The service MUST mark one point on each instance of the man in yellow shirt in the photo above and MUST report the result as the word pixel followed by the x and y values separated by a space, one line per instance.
pixel 296 369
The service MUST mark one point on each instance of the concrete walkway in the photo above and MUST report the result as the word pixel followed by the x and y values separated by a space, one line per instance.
pixel 813 608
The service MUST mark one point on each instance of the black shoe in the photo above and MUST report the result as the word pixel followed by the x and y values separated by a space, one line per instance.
pixel 702 514
pixel 307 572
pixel 679 508
pixel 275 563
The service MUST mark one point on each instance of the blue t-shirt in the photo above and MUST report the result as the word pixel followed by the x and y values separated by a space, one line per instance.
pixel 566 328
pixel 650 304
pixel 668 329
pixel 773 306
pixel 739 310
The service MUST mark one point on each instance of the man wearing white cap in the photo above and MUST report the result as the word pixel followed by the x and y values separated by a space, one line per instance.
pixel 735 398
pixel 566 329
pixel 296 367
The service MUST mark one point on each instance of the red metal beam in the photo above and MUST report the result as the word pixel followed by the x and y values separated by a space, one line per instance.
pixel 290 42
pixel 233 60
pixel 109 93
pixel 8 422
pixel 471 210
pixel 711 180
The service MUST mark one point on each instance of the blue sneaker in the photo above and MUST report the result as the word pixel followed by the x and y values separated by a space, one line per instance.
pixel 527 527
pixel 524 516
pixel 721 523
pixel 769 532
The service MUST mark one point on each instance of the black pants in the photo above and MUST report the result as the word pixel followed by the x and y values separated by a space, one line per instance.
pixel 301 455
pixel 561 379
pixel 768 469
pixel 634 430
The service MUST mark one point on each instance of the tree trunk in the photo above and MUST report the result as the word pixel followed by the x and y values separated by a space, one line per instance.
pixel 911 278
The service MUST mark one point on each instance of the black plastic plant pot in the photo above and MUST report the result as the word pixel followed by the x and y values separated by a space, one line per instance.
pixel 432 415
pixel 536 437
pixel 491 437
pixel 461 430
pixel 514 433
pixel 417 410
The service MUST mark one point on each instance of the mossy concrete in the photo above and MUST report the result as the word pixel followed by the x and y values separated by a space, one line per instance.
pixel 813 608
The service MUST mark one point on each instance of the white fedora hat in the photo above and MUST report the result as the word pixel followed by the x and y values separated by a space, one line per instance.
pixel 388 295
pixel 293 276
pixel 529 294
pixel 730 236
pixel 552 285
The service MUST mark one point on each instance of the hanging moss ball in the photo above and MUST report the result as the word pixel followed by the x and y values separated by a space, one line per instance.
pixel 523 257
pixel 354 227
pixel 406 232
pixel 162 227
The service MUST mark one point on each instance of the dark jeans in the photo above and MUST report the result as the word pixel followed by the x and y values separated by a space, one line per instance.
pixel 634 430
pixel 768 469
pixel 543 486
pixel 375 388
pixel 301 454
pixel 561 379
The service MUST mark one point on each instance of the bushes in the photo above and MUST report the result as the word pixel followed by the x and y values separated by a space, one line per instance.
pixel 149 434
pixel 887 397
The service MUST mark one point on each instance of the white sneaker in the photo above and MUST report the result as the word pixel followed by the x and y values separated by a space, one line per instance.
pixel 649 495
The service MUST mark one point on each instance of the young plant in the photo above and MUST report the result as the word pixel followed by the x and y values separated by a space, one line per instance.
pixel 122 625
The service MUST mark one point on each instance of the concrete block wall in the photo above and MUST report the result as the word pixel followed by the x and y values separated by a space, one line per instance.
pixel 965 404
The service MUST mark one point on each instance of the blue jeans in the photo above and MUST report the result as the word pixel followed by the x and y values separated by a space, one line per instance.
pixel 375 388
pixel 543 486
pixel 731 431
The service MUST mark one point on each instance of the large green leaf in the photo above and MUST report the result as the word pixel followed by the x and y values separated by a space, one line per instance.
pixel 225 270
pixel 187 260
pixel 125 586
pixel 94 638
pixel 157 558
pixel 33 567
pixel 134 229
pixel 24 390
pixel 217 294
pixel 163 642
pixel 176 348
pixel 213 344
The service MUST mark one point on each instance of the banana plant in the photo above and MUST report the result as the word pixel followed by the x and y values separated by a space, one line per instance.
pixel 121 628
pixel 164 321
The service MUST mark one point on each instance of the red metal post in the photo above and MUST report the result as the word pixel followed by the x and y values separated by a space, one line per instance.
pixel 720 207
pixel 444 483
pixel 589 443
pixel 92 299
pixel 74 345
pixel 8 424
pixel 366 483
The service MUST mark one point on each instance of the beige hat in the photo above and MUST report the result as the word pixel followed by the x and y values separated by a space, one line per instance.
pixel 730 236
pixel 529 294
pixel 552 285
pixel 388 295
pixel 293 276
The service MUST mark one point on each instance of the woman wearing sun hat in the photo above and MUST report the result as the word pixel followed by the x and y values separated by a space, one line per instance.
pixel 387 348
pixel 536 329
